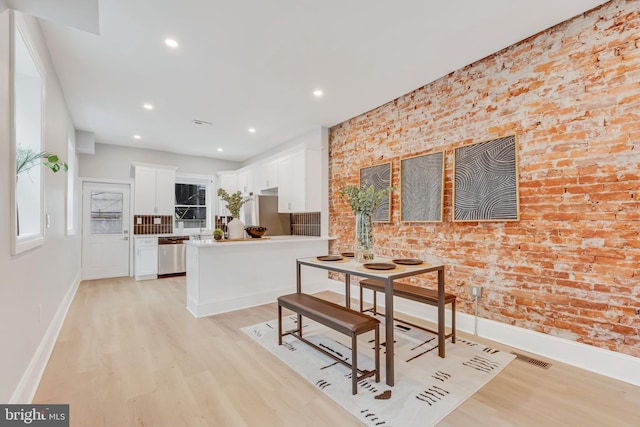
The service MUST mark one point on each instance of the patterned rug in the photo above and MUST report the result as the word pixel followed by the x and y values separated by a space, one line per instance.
pixel 427 387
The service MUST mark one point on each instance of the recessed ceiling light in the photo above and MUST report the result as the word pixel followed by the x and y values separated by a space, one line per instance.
pixel 171 43
pixel 220 149
pixel 148 107
pixel 252 130
pixel 317 93
pixel 137 137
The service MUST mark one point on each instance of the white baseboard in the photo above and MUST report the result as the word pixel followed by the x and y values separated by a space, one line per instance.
pixel 595 359
pixel 26 389
pixel 238 302
pixel 601 361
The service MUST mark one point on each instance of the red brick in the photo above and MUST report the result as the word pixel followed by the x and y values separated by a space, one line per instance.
pixel 571 265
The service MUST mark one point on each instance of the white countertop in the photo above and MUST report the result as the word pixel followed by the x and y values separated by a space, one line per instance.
pixel 162 235
pixel 262 241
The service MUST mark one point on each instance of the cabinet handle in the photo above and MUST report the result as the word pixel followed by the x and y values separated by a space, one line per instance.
pixel 138 252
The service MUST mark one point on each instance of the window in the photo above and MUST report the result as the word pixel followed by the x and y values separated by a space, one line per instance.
pixel 27 96
pixel 193 203
pixel 106 212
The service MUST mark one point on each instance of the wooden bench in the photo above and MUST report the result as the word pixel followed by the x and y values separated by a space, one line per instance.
pixel 414 293
pixel 337 317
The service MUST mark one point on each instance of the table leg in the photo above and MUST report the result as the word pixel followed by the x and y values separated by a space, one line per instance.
pixel 347 290
pixel 388 316
pixel 298 279
pixel 441 328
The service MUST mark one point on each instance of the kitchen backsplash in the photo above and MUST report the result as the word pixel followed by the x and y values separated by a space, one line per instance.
pixel 302 224
pixel 305 224
pixel 152 224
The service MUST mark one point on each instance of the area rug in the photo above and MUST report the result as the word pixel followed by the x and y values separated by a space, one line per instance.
pixel 427 387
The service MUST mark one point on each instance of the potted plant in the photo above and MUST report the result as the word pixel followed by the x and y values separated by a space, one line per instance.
pixel 234 201
pixel 26 159
pixel 363 201
pixel 218 234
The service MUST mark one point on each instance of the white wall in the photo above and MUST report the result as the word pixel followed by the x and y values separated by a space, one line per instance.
pixel 35 286
pixel 314 137
pixel 114 162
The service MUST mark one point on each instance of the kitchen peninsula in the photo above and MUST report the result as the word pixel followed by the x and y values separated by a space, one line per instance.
pixel 230 275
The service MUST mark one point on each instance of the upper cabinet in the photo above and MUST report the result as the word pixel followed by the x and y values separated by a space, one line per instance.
pixel 245 181
pixel 154 190
pixel 266 176
pixel 299 179
pixel 228 181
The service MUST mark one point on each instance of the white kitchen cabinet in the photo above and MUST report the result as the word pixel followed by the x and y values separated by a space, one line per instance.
pixel 228 181
pixel 146 258
pixel 245 181
pixel 154 190
pixel 285 188
pixel 299 180
pixel 266 176
pixel 166 191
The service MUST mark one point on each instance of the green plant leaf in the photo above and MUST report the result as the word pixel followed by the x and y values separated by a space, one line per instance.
pixel 365 199
pixel 26 159
pixel 234 201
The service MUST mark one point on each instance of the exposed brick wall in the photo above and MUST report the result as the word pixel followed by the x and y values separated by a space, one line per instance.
pixel 571 266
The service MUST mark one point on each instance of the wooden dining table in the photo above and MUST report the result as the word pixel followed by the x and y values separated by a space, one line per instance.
pixel 349 267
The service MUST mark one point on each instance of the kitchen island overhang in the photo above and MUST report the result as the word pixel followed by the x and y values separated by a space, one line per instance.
pixel 232 275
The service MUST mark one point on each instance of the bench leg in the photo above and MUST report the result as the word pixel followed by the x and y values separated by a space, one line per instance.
pixel 279 324
pixel 453 321
pixel 375 303
pixel 354 364
pixel 377 353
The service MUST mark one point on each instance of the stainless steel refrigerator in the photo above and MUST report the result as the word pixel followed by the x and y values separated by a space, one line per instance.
pixel 263 211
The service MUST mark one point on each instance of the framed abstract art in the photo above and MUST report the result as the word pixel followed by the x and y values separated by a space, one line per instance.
pixel 421 187
pixel 380 177
pixel 485 186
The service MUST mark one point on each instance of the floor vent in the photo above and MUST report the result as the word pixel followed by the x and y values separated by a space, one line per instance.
pixel 531 360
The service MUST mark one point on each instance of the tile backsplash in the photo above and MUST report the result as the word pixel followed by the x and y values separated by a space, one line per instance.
pixel 302 224
pixel 305 224
pixel 152 224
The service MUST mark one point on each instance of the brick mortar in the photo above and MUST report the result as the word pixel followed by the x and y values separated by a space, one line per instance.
pixel 571 266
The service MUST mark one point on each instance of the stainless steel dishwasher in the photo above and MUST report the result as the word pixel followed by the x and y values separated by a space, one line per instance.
pixel 172 256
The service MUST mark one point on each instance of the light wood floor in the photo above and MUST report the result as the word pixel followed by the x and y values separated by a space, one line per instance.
pixel 130 354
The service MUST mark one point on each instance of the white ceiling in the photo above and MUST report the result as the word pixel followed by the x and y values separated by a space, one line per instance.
pixel 255 63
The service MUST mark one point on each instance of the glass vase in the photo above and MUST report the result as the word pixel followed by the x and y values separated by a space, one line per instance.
pixel 363 248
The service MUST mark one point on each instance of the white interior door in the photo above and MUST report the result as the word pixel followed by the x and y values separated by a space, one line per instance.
pixel 105 230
